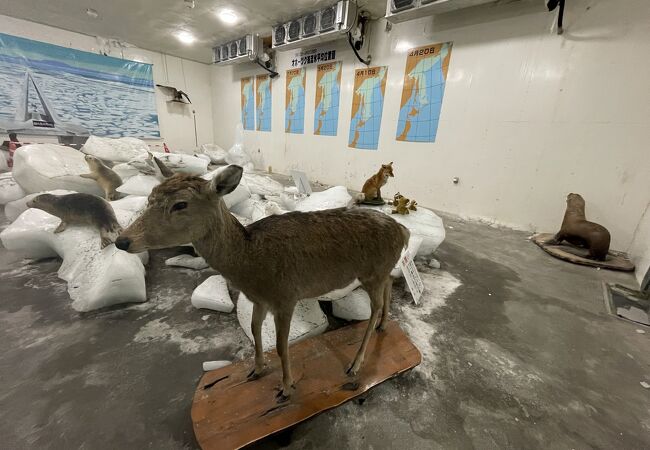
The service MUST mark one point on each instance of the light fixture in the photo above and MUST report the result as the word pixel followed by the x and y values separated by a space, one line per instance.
pixel 92 13
pixel 185 37
pixel 227 16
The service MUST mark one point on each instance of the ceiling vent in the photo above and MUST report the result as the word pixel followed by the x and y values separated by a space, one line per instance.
pixel 246 48
pixel 327 24
pixel 402 10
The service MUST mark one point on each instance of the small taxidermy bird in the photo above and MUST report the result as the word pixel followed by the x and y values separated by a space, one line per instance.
pixel 178 94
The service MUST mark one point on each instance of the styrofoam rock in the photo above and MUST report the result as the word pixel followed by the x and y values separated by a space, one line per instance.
pixel 237 153
pixel 203 157
pixel 116 150
pixel 4 163
pixel 334 197
pixel 240 194
pixel 213 294
pixel 10 190
pixel 423 223
pixel 46 167
pixel 139 185
pixel 262 184
pixel 354 306
pixel 188 261
pixel 414 245
pixel 17 207
pixel 216 154
pixel 176 162
pixel 340 293
pixel 214 365
pixel 96 277
pixel 308 320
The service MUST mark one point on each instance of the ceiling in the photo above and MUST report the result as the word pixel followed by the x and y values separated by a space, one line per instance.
pixel 151 24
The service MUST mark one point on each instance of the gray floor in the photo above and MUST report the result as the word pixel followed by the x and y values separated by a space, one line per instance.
pixel 518 353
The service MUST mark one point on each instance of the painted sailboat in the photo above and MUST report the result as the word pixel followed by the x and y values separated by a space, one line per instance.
pixel 31 121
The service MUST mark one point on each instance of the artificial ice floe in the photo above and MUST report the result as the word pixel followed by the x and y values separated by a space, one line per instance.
pixel 46 167
pixel 176 162
pixel 216 154
pixel 96 277
pixel 139 185
pixel 17 207
pixel 262 185
pixel 334 197
pixel 188 261
pixel 116 150
pixel 354 306
pixel 213 294
pixel 237 153
pixel 308 320
pixel 10 190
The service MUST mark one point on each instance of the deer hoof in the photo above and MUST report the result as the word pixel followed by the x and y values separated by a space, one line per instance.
pixel 281 397
pixel 352 371
pixel 254 375
pixel 350 386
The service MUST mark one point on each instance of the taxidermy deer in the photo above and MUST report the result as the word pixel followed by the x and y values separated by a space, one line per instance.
pixel 278 260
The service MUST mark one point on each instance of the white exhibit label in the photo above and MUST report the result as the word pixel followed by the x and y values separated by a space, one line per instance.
pixel 301 181
pixel 313 56
pixel 412 276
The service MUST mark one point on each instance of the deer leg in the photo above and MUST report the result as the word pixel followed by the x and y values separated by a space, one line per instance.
pixel 282 326
pixel 388 291
pixel 259 314
pixel 376 301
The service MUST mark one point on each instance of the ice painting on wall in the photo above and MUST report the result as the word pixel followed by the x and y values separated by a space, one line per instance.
pixel 294 113
pixel 58 91
pixel 328 89
pixel 263 102
pixel 247 103
pixel 367 106
pixel 424 87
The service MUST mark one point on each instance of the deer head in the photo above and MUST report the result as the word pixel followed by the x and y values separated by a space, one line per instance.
pixel 181 209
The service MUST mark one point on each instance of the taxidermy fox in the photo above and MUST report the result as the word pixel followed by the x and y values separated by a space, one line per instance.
pixel 371 190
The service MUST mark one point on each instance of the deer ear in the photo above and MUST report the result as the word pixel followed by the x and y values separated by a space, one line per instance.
pixel 227 180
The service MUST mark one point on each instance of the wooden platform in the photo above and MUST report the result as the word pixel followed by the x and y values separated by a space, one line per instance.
pixel 578 255
pixel 230 412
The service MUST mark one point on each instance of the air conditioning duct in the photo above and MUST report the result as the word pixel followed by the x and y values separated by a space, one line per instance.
pixel 246 48
pixel 403 10
pixel 324 25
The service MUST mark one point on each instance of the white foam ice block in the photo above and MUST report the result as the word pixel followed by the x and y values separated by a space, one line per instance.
pixel 204 157
pixel 262 184
pixel 237 153
pixel 10 190
pixel 17 207
pixel 214 365
pixel 216 154
pixel 139 185
pixel 340 293
pixel 308 320
pixel 213 294
pixel 4 163
pixel 46 167
pixel 422 223
pixel 334 197
pixel 240 194
pixel 354 306
pixel 96 277
pixel 116 150
pixel 188 261
pixel 179 162
pixel 414 245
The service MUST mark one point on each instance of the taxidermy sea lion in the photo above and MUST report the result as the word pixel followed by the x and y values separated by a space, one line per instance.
pixel 80 209
pixel 577 230
pixel 105 177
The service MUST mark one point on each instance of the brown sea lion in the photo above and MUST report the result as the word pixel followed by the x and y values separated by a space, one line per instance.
pixel 105 177
pixel 577 230
pixel 80 209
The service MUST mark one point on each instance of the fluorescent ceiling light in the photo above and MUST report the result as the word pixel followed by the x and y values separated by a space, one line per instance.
pixel 227 16
pixel 185 37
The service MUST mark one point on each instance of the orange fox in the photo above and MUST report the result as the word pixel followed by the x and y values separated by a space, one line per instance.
pixel 371 191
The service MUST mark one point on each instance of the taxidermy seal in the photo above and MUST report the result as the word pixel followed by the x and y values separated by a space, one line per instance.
pixel 371 191
pixel 105 177
pixel 577 230
pixel 80 209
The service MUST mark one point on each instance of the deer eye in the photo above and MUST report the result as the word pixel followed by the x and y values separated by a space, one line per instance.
pixel 178 206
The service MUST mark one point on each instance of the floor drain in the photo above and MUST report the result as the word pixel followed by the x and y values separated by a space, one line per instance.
pixel 627 304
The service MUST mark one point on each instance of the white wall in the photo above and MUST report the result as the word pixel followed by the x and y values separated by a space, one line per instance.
pixel 527 116
pixel 176 121
pixel 641 245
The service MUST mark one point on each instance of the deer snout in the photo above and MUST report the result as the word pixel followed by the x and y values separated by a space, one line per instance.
pixel 123 243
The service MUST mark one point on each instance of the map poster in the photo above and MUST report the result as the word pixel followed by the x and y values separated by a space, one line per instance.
pixel 247 104
pixel 328 90
pixel 367 106
pixel 263 102
pixel 294 112
pixel 424 86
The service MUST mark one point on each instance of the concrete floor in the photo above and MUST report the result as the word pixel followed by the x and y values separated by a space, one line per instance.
pixel 518 353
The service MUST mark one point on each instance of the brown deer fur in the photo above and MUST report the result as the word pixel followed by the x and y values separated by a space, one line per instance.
pixel 276 261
